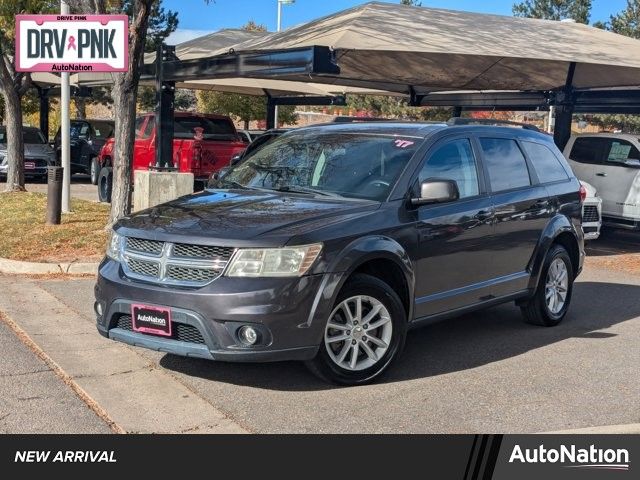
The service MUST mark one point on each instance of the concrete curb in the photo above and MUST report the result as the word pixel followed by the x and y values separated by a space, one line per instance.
pixel 18 266
pixel 628 429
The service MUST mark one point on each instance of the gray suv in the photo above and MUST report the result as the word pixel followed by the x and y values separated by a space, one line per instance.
pixel 329 243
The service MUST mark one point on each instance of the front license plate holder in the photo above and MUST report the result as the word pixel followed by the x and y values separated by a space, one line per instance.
pixel 151 319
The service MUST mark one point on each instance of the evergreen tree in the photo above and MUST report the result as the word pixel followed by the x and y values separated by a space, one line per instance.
pixel 578 10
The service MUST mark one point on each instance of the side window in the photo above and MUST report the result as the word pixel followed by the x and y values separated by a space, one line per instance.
pixel 588 149
pixel 506 164
pixel 148 129
pixel 620 152
pixel 545 163
pixel 453 161
pixel 138 126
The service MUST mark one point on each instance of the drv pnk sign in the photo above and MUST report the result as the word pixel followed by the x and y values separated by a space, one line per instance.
pixel 72 43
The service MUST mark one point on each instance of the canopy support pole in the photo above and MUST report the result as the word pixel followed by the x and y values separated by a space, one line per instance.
pixel 457 112
pixel 565 104
pixel 271 112
pixel 165 96
pixel 43 96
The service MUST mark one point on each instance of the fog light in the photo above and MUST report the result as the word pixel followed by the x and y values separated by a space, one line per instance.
pixel 248 335
pixel 98 308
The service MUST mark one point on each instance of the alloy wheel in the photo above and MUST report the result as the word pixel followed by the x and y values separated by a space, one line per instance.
pixel 557 286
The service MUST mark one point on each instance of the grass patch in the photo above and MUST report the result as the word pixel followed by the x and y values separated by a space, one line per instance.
pixel 24 235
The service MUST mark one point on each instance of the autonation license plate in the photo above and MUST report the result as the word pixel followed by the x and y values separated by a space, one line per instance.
pixel 154 320
pixel 29 165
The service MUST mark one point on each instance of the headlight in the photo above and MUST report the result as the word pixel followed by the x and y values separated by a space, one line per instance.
pixel 113 246
pixel 273 262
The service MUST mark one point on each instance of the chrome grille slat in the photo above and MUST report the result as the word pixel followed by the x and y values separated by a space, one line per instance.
pixel 173 263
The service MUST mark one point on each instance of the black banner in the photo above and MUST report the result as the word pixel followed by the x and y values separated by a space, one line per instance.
pixel 460 457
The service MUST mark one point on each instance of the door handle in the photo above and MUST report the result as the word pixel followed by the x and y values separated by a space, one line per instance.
pixel 483 215
pixel 601 174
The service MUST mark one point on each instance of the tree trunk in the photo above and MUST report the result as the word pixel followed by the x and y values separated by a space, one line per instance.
pixel 124 137
pixel 15 143
pixel 81 108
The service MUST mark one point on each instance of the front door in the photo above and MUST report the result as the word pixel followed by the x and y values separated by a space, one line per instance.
pixel 454 241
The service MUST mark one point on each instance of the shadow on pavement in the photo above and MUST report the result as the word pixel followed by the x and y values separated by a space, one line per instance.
pixel 453 345
pixel 614 241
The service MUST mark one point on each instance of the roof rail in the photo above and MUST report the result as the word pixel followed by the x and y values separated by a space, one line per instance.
pixel 490 121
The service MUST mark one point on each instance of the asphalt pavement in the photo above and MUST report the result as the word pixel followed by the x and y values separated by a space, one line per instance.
pixel 81 188
pixel 487 371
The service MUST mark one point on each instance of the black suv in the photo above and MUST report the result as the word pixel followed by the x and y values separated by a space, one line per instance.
pixel 87 138
pixel 329 243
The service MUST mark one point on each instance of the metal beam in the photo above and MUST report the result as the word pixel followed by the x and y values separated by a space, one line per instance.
pixel 298 61
pixel 524 101
pixel 164 112
pixel 564 102
pixel 44 111
pixel 338 100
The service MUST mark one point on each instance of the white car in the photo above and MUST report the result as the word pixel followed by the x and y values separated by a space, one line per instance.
pixel 591 213
pixel 611 163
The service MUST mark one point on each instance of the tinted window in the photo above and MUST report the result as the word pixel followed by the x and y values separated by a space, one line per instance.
pixel 102 129
pixel 212 128
pixel 588 149
pixel 148 129
pixel 453 161
pixel 545 163
pixel 79 129
pixel 506 164
pixel 359 164
pixel 138 126
pixel 619 151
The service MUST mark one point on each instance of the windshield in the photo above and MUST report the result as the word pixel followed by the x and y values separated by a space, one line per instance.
pixel 81 129
pixel 354 164
pixel 29 135
pixel 212 128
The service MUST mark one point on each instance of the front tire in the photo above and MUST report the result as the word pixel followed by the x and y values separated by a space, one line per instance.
pixel 551 300
pixel 105 184
pixel 364 333
pixel 94 171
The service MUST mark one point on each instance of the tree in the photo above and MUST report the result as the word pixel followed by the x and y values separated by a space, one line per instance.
pixel 185 99
pixel 13 85
pixel 411 3
pixel 125 95
pixel 578 10
pixel 627 22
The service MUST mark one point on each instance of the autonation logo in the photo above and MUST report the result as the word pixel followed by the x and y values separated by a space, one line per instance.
pixel 574 457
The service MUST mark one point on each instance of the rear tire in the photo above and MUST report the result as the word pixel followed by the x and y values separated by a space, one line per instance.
pixel 105 184
pixel 374 332
pixel 94 171
pixel 550 303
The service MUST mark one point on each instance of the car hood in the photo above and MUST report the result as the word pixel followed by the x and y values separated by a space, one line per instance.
pixel 241 217
pixel 33 150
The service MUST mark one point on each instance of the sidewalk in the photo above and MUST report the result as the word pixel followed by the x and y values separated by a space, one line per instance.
pixel 137 396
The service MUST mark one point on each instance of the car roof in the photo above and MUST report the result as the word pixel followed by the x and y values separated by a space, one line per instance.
pixel 426 129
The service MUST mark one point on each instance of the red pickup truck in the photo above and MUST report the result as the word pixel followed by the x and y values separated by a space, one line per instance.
pixel 202 144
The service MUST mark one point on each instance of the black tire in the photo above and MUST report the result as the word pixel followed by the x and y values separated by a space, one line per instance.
pixel 105 184
pixel 94 171
pixel 360 284
pixel 536 311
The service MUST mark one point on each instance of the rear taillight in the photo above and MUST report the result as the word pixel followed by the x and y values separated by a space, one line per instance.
pixel 583 193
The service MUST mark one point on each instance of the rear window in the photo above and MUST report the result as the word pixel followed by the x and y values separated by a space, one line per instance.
pixel 506 164
pixel 620 151
pixel 546 164
pixel 588 149
pixel 212 128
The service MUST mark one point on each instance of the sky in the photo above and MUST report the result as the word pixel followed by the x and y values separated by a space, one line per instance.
pixel 197 18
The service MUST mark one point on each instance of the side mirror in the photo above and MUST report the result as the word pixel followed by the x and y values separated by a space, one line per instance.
pixel 437 191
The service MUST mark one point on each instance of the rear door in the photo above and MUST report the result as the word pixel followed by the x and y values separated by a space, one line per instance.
pixel 522 210
pixel 454 239
pixel 617 179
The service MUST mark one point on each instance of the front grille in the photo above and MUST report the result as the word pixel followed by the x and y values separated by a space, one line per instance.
pixel 38 162
pixel 190 274
pixel 590 214
pixel 180 331
pixel 173 263
pixel 145 246
pixel 201 251
pixel 142 267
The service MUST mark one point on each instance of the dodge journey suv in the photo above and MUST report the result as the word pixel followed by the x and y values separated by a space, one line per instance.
pixel 329 243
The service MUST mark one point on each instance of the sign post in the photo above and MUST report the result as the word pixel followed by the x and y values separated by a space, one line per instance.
pixel 65 130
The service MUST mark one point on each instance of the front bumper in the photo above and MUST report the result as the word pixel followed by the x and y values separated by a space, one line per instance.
pixel 288 313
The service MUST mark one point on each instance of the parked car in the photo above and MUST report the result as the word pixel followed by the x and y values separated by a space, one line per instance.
pixel 202 144
pixel 329 243
pixel 38 154
pixel 591 213
pixel 87 139
pixel 611 163
pixel 245 136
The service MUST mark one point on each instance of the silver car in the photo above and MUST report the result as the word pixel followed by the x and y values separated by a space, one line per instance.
pixel 38 154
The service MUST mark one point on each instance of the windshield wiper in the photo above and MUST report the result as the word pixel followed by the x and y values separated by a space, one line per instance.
pixel 306 190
